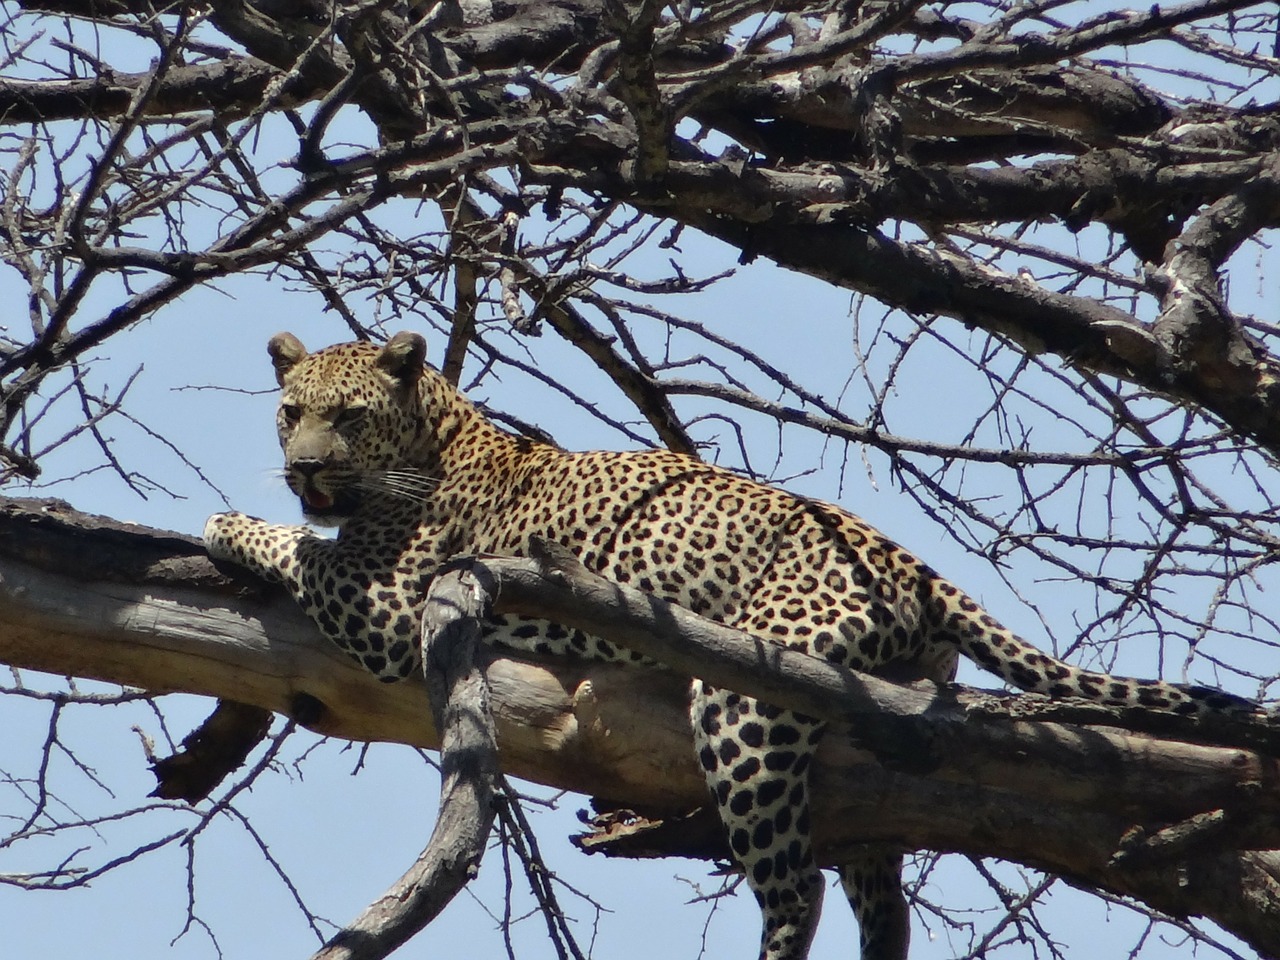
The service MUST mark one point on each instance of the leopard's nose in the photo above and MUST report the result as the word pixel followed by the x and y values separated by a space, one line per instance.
pixel 307 467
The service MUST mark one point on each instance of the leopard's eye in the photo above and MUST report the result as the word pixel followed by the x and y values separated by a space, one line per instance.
pixel 349 417
pixel 291 412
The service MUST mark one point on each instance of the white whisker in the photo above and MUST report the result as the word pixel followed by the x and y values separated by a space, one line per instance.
pixel 410 485
pixel 272 478
pixel 402 483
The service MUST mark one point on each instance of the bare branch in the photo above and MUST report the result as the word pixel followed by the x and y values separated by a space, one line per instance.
pixel 468 770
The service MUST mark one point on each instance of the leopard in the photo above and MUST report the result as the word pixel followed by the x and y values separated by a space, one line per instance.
pixel 413 475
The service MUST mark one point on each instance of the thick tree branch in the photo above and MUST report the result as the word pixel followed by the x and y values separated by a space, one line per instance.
pixel 942 777
pixel 1244 392
pixel 456 606
pixel 211 752
pixel 230 88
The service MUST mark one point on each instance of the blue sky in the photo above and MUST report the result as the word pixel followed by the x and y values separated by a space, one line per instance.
pixel 342 836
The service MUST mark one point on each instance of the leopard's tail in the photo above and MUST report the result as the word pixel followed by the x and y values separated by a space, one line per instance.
pixel 976 634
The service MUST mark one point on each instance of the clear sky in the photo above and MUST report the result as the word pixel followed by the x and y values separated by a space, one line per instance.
pixel 342 837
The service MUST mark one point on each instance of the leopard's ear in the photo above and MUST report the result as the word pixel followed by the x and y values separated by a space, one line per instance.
pixel 286 350
pixel 403 357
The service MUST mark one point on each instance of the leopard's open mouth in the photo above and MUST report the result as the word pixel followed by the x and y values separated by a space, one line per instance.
pixel 317 501
pixel 326 508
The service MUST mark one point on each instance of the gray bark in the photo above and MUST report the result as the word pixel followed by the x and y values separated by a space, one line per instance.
pixel 950 770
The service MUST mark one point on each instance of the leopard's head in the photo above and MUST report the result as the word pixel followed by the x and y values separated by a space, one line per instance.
pixel 351 422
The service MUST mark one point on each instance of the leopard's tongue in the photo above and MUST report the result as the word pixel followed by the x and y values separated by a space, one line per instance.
pixel 317 500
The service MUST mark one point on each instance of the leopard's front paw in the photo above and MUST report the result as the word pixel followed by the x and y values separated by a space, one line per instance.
pixel 220 534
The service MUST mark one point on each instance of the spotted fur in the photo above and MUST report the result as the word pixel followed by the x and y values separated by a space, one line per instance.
pixel 413 474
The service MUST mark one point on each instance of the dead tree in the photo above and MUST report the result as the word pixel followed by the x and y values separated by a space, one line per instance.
pixel 1037 210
